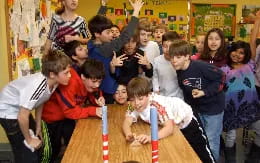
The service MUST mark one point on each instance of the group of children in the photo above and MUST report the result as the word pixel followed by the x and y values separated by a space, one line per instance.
pixel 203 94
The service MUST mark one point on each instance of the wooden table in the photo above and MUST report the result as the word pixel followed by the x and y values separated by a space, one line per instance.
pixel 86 143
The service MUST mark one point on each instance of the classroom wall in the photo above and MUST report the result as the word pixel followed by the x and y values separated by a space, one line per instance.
pixel 4 74
pixel 239 4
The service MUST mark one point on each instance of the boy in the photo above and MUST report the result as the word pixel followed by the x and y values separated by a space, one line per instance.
pixel 159 31
pixel 101 46
pixel 144 33
pixel 202 85
pixel 77 52
pixel 115 31
pixel 171 110
pixel 68 103
pixel 21 96
pixel 164 75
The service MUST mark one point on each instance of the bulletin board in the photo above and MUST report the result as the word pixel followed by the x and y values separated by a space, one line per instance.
pixel 207 16
pixel 173 13
pixel 29 21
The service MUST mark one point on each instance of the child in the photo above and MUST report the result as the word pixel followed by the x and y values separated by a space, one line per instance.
pixel 144 33
pixel 21 96
pixel 214 48
pixel 171 110
pixel 77 52
pixel 68 103
pixel 199 44
pixel 120 95
pixel 242 105
pixel 164 75
pixel 101 46
pixel 159 31
pixel 202 85
pixel 115 31
pixel 67 26
pixel 130 62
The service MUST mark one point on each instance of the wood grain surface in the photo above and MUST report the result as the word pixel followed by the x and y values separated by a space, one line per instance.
pixel 86 143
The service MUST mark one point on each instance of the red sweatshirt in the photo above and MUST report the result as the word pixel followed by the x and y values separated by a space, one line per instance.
pixel 67 101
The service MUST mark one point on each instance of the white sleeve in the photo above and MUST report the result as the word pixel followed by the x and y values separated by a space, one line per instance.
pixel 30 94
pixel 179 111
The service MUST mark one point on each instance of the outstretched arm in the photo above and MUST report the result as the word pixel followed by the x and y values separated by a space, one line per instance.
pixel 254 35
pixel 127 128
pixel 163 132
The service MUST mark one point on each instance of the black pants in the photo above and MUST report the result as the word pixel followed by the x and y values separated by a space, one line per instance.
pixel 196 136
pixel 57 131
pixel 14 134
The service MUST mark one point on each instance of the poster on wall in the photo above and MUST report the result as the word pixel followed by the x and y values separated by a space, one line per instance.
pixel 168 12
pixel 207 16
pixel 248 13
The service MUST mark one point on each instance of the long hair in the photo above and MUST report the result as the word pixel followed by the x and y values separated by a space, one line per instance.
pixel 239 45
pixel 221 52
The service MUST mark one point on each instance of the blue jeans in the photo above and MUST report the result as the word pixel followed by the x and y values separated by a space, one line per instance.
pixel 213 125
pixel 21 153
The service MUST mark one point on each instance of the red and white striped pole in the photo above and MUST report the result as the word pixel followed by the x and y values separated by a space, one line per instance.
pixel 105 134
pixel 154 133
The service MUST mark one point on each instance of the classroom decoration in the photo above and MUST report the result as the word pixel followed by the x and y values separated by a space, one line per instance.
pixel 105 134
pixel 248 13
pixel 29 22
pixel 169 12
pixel 154 133
pixel 207 16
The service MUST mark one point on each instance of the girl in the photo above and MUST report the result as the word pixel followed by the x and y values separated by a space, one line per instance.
pixel 199 44
pixel 120 95
pixel 67 26
pixel 214 48
pixel 242 106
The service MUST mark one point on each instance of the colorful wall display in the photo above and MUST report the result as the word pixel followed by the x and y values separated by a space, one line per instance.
pixel 207 16
pixel 248 13
pixel 173 13
pixel 29 22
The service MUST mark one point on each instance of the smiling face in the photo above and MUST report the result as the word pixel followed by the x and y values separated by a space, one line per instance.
pixel 238 56
pixel 120 95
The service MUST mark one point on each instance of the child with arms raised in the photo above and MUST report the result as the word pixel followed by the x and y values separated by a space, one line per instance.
pixel 171 111
pixel 102 45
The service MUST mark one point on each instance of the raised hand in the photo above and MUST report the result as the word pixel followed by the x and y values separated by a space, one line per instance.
pixel 118 61
pixel 137 5
pixel 142 59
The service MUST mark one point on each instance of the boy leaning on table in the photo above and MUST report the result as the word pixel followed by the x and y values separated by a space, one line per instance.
pixel 171 111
